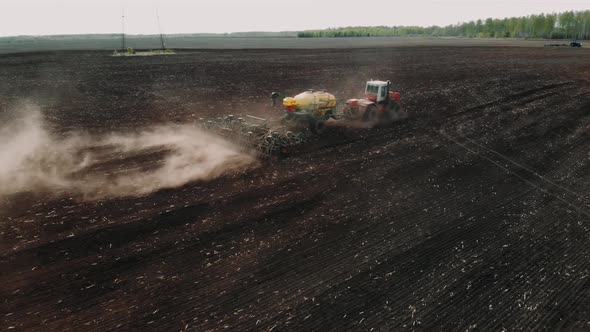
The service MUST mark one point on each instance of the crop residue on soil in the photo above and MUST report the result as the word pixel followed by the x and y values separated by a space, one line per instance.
pixel 33 158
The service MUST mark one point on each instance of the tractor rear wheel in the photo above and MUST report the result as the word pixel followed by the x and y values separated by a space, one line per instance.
pixel 370 116
pixel 317 126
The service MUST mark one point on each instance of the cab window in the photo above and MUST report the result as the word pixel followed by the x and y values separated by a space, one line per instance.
pixel 372 89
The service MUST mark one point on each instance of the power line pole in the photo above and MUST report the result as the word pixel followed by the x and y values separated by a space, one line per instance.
pixel 160 30
pixel 123 42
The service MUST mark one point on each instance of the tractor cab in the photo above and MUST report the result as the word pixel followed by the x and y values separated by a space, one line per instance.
pixel 377 91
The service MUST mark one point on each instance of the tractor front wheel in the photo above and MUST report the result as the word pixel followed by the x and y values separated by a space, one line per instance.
pixel 370 116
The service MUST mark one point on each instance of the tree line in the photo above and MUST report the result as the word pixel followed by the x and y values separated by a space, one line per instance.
pixel 566 25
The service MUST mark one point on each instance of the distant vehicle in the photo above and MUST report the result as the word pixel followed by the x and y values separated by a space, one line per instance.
pixel 575 43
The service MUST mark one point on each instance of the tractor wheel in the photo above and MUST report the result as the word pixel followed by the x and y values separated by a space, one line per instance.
pixel 370 116
pixel 393 113
pixel 317 126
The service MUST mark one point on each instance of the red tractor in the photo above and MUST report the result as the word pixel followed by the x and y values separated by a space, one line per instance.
pixel 380 105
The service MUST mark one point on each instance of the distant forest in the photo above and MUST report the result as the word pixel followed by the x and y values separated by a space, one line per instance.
pixel 572 25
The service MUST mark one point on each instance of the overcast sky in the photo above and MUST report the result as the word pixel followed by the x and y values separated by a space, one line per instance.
pixel 43 17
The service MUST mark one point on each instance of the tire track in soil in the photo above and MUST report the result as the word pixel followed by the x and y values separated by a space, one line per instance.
pixel 520 169
pixel 347 242
pixel 549 166
pixel 517 98
pixel 430 248
pixel 512 280
pixel 534 173
pixel 343 267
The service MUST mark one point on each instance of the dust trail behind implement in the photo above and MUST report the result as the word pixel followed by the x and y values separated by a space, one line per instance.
pixel 32 158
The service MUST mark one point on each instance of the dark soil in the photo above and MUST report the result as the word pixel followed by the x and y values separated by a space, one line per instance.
pixel 472 214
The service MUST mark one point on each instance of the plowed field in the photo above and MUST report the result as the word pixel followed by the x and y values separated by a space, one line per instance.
pixel 474 213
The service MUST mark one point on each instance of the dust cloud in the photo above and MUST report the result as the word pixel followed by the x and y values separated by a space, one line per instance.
pixel 35 159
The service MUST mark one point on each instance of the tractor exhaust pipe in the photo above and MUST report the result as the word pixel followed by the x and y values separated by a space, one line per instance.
pixel 388 89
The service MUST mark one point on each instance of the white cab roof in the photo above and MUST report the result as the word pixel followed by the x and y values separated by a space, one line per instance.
pixel 377 82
